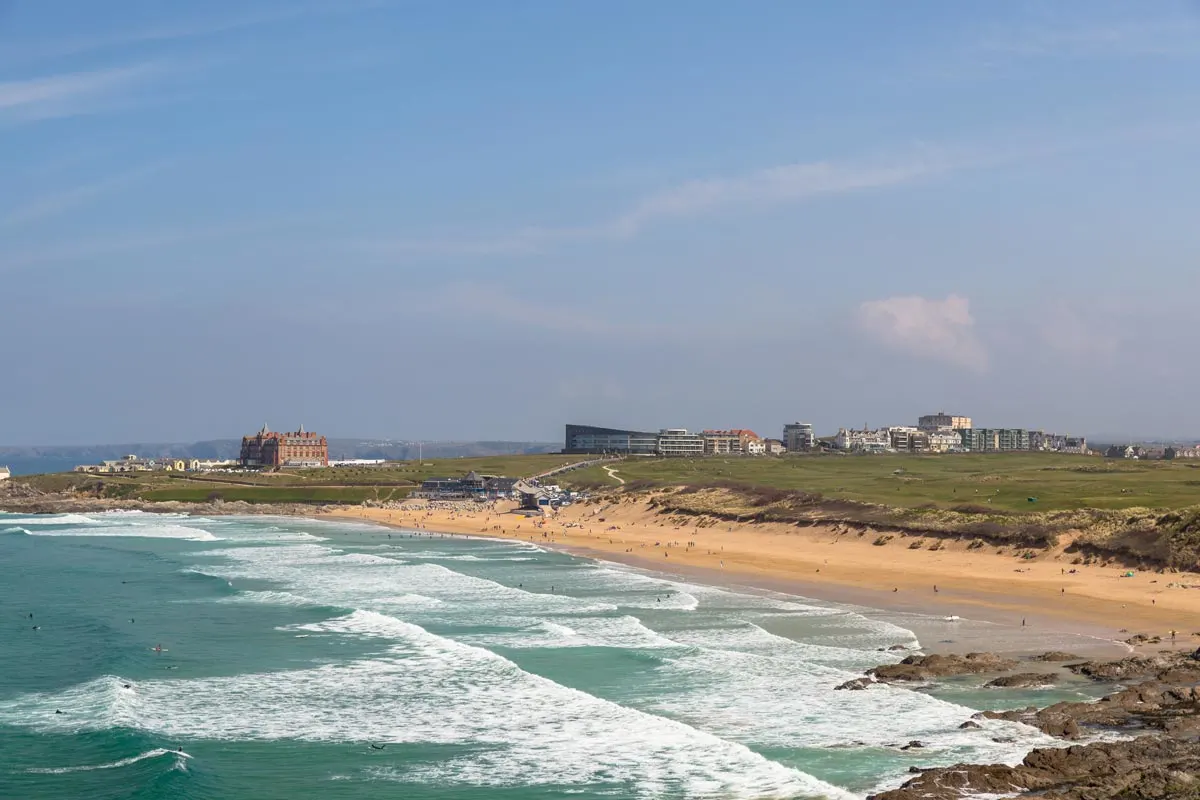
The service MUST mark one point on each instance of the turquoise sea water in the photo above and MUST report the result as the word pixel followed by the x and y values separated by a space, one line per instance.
pixel 306 659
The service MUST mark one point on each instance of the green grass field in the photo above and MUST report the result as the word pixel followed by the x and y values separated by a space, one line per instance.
pixel 1003 482
pixel 392 481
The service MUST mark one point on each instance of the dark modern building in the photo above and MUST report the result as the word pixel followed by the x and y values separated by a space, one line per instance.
pixel 589 439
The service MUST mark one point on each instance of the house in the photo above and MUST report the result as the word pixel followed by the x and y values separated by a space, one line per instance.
pixel 774 447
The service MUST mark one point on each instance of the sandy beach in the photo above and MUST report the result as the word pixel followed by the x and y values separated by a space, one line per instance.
pixel 827 563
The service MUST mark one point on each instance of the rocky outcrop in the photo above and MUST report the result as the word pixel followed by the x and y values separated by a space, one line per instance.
pixel 857 684
pixel 1023 680
pixel 1147 768
pixel 1056 655
pixel 1139 668
pixel 923 668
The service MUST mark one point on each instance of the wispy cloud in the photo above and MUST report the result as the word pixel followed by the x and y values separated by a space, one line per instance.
pixel 51 205
pixel 759 189
pixel 937 330
pixel 70 94
pixel 1172 35
pixel 188 29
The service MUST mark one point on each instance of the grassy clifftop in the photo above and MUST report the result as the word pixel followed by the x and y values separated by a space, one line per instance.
pixel 393 481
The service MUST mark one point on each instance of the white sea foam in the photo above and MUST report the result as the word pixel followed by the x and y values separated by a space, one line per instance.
pixel 15 530
pixel 50 519
pixel 433 690
pixel 124 762
pixel 136 531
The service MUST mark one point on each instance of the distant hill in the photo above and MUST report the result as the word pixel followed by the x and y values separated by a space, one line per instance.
pixel 36 459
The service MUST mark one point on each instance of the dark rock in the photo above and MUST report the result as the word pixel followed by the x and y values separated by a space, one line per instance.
pixel 1148 768
pixel 1023 680
pixel 898 647
pixel 857 684
pixel 913 745
pixel 970 725
pixel 922 668
pixel 1056 655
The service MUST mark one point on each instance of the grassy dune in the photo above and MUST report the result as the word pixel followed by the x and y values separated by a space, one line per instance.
pixel 1003 482
pixel 1138 512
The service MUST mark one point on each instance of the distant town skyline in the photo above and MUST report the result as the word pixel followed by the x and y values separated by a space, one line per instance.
pixel 475 221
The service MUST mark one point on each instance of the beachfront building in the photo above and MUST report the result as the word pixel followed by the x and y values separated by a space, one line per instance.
pixel 737 441
pixel 942 422
pixel 774 447
pixel 134 463
pixel 269 448
pixel 581 439
pixel 864 441
pixel 798 437
pixel 5 473
pixel 678 443
pixel 994 440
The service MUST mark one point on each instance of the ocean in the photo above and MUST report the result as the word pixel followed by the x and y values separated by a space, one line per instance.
pixel 313 659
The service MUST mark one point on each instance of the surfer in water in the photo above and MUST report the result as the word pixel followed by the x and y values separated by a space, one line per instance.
pixel 378 746
pixel 158 648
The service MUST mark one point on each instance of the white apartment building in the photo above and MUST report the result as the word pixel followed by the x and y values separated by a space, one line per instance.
pixel 677 442
pixel 798 437
pixel 863 441
pixel 944 442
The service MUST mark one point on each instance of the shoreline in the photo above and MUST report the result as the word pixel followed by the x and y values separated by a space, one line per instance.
pixel 748 563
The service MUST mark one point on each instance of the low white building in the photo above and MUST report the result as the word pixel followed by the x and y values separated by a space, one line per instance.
pixel 5 473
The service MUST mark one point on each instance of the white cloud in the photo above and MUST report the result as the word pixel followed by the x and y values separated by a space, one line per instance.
pixel 51 205
pixel 772 186
pixel 183 29
pixel 69 94
pixel 938 330
pixel 757 189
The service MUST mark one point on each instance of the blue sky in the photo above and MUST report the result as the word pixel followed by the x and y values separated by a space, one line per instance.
pixel 483 220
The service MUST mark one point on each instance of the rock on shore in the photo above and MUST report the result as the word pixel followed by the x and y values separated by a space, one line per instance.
pixel 1163 763
pixel 923 668
pixel 1148 768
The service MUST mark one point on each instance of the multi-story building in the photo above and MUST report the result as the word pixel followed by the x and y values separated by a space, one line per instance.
pixel 864 441
pixel 907 439
pixel 944 442
pixel 590 439
pixel 941 422
pixel 1057 443
pixel 677 442
pixel 994 440
pixel 731 442
pixel 269 448
pixel 798 437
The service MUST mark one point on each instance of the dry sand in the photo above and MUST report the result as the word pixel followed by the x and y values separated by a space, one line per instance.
pixel 830 563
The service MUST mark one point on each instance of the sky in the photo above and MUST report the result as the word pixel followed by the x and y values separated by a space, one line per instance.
pixel 484 220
